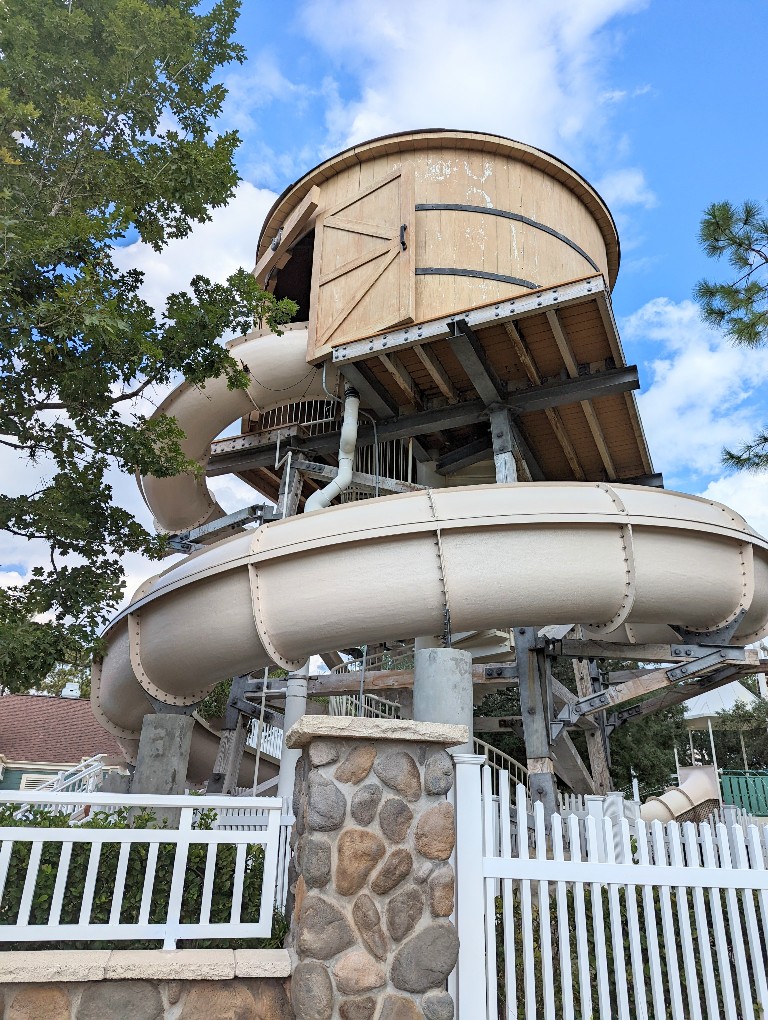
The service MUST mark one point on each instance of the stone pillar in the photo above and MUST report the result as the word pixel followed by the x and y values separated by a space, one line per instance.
pixel 442 688
pixel 374 885
pixel 295 707
pixel 163 757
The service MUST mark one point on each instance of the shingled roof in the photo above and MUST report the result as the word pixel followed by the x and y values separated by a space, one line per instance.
pixel 62 731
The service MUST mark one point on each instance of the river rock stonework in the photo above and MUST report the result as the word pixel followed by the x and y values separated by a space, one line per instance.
pixel 372 939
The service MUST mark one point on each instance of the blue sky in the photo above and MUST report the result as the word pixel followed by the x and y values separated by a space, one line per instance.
pixel 659 103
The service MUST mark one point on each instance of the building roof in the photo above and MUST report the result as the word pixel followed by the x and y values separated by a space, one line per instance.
pixel 62 731
pixel 722 699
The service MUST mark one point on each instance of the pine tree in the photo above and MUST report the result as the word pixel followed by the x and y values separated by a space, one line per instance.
pixel 740 306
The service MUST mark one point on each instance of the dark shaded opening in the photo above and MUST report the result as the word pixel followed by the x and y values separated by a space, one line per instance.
pixel 295 278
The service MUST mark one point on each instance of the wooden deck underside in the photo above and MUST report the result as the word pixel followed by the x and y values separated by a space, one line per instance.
pixel 558 348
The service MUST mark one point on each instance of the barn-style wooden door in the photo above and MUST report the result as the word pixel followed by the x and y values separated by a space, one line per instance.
pixel 363 275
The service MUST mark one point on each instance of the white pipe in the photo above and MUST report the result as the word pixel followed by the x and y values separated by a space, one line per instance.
pixel 347 442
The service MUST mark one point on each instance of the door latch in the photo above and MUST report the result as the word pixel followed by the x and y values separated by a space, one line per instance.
pixel 403 228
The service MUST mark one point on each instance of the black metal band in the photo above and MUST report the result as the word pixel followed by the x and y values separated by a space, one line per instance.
pixel 480 274
pixel 518 217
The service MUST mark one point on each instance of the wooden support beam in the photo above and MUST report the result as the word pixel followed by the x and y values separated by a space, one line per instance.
pixel 437 373
pixel 508 453
pixel 402 377
pixel 372 393
pixel 464 456
pixel 596 750
pixel 471 356
pixel 277 256
pixel 378 681
pixel 677 695
pixel 328 472
pixel 572 368
pixel 569 766
pixel 553 416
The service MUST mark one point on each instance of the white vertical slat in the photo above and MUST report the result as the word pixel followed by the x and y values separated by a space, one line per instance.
pixel 173 918
pixel 489 889
pixel 594 855
pixel 617 926
pixel 507 895
pixel 90 882
pixel 736 937
pixel 470 920
pixel 651 929
pixel 718 928
pixel 269 880
pixel 580 919
pixel 237 880
pixel 60 885
pixel 5 860
pixel 526 913
pixel 758 864
pixel 750 919
pixel 149 882
pixel 705 963
pixel 563 922
pixel 30 881
pixel 119 887
pixel 452 985
pixel 690 964
pixel 633 929
pixel 208 877
pixel 545 931
pixel 667 923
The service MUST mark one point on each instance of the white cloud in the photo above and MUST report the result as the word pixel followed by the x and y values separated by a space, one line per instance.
pixel 627 187
pixel 700 393
pixel 746 493
pixel 215 249
pixel 532 71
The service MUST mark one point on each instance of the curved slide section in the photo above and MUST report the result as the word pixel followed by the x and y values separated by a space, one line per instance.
pixel 698 788
pixel 494 556
pixel 279 375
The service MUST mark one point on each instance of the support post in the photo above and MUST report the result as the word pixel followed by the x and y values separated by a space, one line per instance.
pixel 509 460
pixel 229 758
pixel 598 757
pixel 533 707
pixel 290 489
pixel 163 757
pixel 295 708
pixel 442 688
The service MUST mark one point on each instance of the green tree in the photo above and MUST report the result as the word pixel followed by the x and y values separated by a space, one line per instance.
pixel 739 306
pixel 106 111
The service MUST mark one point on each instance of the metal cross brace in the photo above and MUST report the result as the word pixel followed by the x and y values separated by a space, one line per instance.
pixel 190 541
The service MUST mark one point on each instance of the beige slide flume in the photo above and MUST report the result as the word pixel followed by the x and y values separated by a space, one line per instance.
pixel 621 560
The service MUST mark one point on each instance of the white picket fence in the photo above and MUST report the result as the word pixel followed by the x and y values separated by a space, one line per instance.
pixel 620 920
pixel 165 885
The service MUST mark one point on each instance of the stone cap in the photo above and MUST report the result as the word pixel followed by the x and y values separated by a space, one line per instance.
pixel 50 965
pixel 334 727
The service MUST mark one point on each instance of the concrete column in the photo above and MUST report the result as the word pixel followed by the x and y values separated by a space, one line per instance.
pixel 295 708
pixel 163 757
pixel 442 688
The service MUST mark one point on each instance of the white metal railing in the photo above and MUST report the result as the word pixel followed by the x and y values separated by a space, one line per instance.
pixel 83 778
pixel 498 761
pixel 168 912
pixel 622 919
pixel 373 707
pixel 270 739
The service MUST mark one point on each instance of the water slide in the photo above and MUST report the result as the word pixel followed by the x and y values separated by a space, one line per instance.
pixel 629 560
pixel 700 787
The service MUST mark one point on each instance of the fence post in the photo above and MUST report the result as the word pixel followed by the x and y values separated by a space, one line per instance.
pixel 470 893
